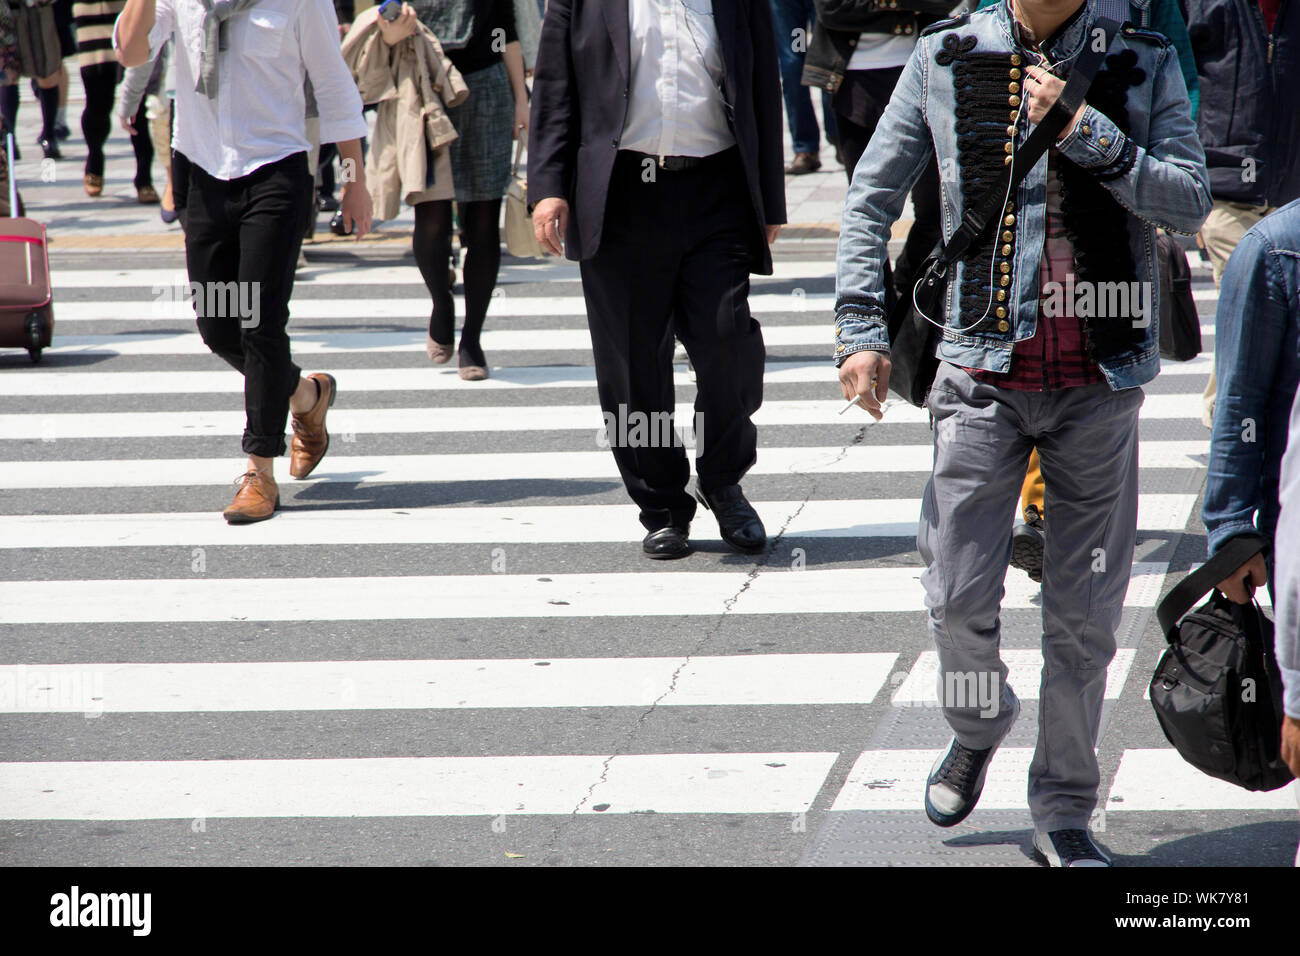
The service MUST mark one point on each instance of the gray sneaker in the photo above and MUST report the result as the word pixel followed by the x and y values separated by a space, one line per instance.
pixel 957 780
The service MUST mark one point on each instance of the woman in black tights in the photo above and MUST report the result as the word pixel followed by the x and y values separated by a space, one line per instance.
pixel 487 121
pixel 100 74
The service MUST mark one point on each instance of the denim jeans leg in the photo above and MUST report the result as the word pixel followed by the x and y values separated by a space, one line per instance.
pixel 789 16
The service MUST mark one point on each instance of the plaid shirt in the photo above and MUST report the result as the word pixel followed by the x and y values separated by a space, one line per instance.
pixel 1055 356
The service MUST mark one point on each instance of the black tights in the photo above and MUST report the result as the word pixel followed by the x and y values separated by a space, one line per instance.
pixel 49 100
pixel 100 82
pixel 481 237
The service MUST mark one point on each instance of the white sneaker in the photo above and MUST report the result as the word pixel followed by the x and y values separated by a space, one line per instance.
pixel 1068 848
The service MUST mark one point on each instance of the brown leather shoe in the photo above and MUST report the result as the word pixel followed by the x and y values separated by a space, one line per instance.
pixel 257 499
pixel 94 184
pixel 803 163
pixel 310 439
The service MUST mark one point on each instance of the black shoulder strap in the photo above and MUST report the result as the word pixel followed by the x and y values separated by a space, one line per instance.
pixel 1044 135
pixel 1184 595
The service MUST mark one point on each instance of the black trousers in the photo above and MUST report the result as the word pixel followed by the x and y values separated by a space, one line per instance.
pixel 674 259
pixel 245 231
pixel 859 104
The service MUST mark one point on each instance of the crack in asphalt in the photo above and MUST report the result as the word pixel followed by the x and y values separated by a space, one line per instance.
pixel 728 605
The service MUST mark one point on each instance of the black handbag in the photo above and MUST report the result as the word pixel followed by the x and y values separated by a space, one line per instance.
pixel 915 319
pixel 1217 691
pixel 1180 324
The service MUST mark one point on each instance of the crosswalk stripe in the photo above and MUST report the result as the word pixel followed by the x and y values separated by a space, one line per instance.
pixel 315 344
pixel 333 344
pixel 480 418
pixel 170 306
pixel 1024 665
pixel 491 466
pixel 46 383
pixel 1159 779
pixel 320 274
pixel 538 524
pixel 413 786
pixel 442 597
pixel 769 679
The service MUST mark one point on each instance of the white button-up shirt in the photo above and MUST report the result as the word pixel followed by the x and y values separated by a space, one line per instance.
pixel 259 113
pixel 675 106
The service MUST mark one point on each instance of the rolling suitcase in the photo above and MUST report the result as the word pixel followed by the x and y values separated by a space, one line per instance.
pixel 26 305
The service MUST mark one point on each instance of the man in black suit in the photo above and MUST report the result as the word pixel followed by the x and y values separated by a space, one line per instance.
pixel 658 123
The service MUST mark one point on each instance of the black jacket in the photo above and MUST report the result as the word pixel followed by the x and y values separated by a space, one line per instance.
pixel 580 102
pixel 841 22
pixel 1249 120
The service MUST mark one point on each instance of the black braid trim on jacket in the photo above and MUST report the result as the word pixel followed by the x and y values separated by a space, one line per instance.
pixel 982 114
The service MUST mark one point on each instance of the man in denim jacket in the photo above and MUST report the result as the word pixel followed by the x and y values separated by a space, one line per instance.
pixel 1049 331
pixel 1257 358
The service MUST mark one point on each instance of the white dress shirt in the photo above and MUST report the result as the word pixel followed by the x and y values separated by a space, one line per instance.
pixel 259 113
pixel 675 106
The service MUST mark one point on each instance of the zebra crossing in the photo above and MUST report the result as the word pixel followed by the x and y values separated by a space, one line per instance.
pixel 447 646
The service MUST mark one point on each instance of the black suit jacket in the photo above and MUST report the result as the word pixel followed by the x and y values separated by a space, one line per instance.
pixel 580 101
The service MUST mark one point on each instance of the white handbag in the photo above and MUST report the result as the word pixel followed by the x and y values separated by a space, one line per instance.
pixel 520 240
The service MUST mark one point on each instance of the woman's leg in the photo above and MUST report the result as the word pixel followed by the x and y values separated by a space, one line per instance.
pixel 481 233
pixel 431 243
pixel 47 93
pixel 100 81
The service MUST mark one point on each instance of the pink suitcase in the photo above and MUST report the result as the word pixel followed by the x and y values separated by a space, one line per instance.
pixel 26 304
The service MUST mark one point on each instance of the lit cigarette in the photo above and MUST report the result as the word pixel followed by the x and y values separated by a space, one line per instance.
pixel 856 399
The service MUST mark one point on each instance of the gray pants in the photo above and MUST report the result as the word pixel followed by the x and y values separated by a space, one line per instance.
pixel 1087 441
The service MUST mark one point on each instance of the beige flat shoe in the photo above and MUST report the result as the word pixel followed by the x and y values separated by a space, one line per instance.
pixel 439 354
pixel 473 373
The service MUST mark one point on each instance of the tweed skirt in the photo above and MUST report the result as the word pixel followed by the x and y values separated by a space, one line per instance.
pixel 481 153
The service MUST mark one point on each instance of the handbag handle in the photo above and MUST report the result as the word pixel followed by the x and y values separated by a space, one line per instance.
pixel 1184 595
pixel 977 216
pixel 520 143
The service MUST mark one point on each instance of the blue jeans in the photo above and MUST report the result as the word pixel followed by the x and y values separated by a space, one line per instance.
pixel 787 17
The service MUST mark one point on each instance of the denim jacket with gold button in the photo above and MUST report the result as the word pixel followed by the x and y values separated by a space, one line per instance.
pixel 1133 163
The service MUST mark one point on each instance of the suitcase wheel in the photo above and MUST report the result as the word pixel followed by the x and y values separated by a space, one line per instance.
pixel 33 330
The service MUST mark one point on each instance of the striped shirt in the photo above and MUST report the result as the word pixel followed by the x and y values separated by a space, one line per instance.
pixel 95 30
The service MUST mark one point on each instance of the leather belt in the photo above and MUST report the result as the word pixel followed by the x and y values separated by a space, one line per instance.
pixel 674 164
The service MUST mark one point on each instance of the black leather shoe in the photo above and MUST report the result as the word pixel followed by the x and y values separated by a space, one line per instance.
pixel 666 544
pixel 737 520
pixel 50 148
pixel 326 204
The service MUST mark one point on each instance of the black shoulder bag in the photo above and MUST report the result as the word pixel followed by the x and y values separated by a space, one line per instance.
pixel 1180 323
pixel 913 336
pixel 1217 691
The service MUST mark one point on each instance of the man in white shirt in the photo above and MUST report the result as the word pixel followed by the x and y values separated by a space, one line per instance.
pixel 244 192
pixel 659 123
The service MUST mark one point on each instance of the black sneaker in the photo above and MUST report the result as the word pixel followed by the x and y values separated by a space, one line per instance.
pixel 1027 544
pixel 957 780
pixel 1068 848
